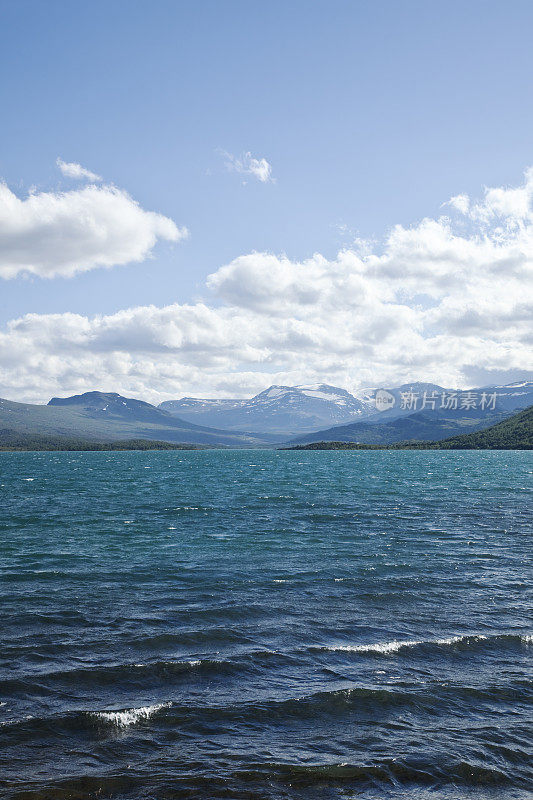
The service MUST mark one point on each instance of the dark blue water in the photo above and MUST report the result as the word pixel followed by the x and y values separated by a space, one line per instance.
pixel 266 625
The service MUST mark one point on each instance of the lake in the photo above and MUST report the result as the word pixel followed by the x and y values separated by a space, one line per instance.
pixel 266 624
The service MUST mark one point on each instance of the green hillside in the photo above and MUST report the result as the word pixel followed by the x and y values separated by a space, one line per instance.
pixel 12 440
pixel 108 417
pixel 425 426
pixel 513 433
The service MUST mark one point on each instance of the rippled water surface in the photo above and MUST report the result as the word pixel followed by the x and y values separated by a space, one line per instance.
pixel 266 624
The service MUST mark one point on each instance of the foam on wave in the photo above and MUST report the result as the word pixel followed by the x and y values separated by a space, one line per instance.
pixel 129 716
pixel 396 645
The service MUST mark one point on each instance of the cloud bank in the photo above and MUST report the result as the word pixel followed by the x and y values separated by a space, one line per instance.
pixel 442 300
pixel 59 234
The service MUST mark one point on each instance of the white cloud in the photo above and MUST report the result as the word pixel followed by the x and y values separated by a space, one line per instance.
pixel 461 202
pixel 442 300
pixel 246 164
pixel 63 233
pixel 76 171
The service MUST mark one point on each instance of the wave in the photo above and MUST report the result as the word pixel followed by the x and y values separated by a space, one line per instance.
pixel 74 722
pixel 385 777
pixel 106 675
pixel 129 716
pixel 333 705
pixel 395 645
pixel 168 670
pixel 390 772
pixel 463 642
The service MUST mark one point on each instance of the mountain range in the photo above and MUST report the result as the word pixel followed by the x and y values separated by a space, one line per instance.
pixel 281 410
pixel 428 412
pixel 312 413
pixel 280 414
pixel 106 416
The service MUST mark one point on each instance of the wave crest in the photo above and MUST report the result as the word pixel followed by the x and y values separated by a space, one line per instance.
pixel 129 716
pixel 394 646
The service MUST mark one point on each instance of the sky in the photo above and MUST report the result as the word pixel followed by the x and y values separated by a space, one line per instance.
pixel 204 198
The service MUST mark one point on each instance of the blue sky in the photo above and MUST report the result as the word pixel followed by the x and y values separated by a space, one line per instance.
pixel 371 114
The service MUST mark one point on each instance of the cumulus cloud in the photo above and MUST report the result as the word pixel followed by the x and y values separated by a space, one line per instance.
pixel 442 300
pixel 76 171
pixel 246 164
pixel 53 234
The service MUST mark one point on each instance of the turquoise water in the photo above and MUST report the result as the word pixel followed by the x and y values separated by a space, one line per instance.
pixel 259 624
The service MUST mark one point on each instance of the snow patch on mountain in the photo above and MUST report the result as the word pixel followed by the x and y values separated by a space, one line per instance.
pixel 277 409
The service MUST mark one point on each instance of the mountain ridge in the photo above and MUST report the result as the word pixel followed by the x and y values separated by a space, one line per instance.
pixel 278 409
pixel 305 410
pixel 513 433
pixel 107 416
pixel 418 411
pixel 418 426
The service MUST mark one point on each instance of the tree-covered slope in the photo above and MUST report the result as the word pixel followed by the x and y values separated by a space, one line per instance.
pixel 13 440
pixel 513 433
pixel 422 426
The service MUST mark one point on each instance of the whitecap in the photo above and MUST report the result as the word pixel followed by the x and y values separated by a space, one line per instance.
pixel 477 637
pixel 395 645
pixel 129 716
pixel 383 647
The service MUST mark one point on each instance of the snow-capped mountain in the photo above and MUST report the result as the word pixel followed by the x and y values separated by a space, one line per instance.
pixel 288 411
pixel 417 396
pixel 426 411
pixel 283 410
pixel 513 395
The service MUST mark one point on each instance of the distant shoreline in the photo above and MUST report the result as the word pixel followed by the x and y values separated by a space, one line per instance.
pixel 399 446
